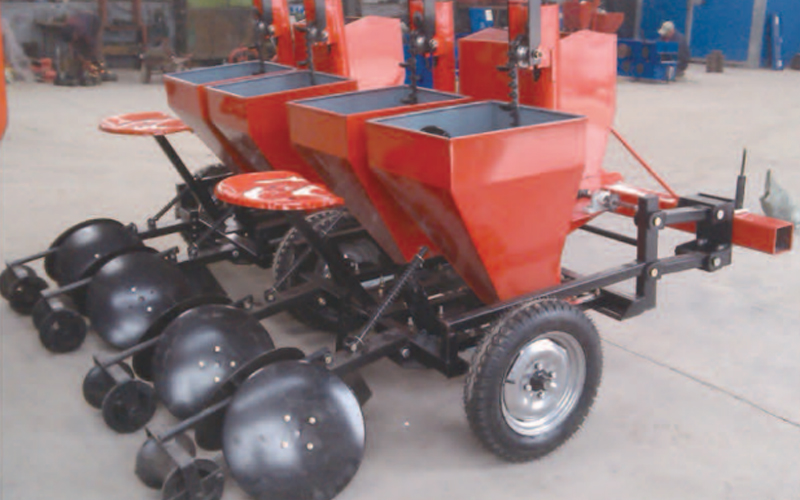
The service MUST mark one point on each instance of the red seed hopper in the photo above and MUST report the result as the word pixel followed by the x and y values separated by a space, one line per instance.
pixel 495 199
pixel 186 94
pixel 329 133
pixel 252 116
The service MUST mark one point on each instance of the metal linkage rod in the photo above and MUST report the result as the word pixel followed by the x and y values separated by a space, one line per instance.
pixel 413 267
pixel 301 259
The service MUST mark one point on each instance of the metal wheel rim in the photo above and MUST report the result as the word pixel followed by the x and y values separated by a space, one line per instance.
pixel 533 404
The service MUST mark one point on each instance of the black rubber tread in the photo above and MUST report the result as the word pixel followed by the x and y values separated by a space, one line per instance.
pixel 22 294
pixel 327 318
pixel 488 369
pixel 62 331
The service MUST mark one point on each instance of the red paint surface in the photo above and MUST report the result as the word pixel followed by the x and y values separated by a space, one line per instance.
pixel 578 76
pixel 258 128
pixel 335 145
pixel 190 103
pixel 276 190
pixel 146 123
pixel 375 51
pixel 497 212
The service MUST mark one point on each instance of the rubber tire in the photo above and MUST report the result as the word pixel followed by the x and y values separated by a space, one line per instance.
pixel 313 315
pixel 52 330
pixel 22 294
pixel 485 379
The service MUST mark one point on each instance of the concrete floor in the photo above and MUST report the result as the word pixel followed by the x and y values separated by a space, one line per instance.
pixel 700 398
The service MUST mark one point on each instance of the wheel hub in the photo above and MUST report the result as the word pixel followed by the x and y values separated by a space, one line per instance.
pixel 543 384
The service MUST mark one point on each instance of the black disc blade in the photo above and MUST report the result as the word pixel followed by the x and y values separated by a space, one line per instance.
pixel 294 431
pixel 130 292
pixel 81 247
pixel 199 350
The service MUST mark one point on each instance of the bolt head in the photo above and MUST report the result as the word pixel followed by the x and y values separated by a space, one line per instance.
pixel 658 221
pixel 654 272
pixel 284 444
pixel 720 214
pixel 217 348
pixel 201 364
pixel 310 446
pixel 233 364
pixel 287 418
pixel 716 261
pixel 321 301
pixel 216 380
pixel 312 420
pixel 529 388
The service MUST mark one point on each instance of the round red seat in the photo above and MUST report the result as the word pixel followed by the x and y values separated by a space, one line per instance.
pixel 275 190
pixel 150 123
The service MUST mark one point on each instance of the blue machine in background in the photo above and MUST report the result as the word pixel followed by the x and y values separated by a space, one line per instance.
pixel 479 19
pixel 647 60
